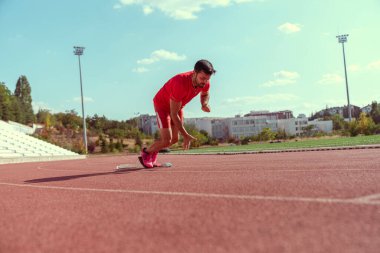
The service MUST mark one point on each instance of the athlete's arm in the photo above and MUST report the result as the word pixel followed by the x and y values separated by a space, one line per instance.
pixel 174 109
pixel 205 96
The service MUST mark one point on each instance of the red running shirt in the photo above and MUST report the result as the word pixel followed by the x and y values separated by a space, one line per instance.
pixel 180 89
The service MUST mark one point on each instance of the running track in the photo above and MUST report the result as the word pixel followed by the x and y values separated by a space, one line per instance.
pixel 325 201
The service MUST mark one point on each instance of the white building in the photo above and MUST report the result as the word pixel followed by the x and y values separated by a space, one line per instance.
pixel 148 124
pixel 325 126
pixel 254 124
pixel 201 124
pixel 248 126
pixel 367 109
pixel 220 129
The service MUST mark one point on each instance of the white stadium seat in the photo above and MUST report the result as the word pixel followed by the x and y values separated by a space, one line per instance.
pixel 15 144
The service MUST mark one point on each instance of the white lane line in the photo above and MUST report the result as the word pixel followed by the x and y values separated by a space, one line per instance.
pixel 263 170
pixel 373 198
pixel 205 195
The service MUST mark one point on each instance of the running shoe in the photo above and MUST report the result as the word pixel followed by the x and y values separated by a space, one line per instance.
pixel 154 160
pixel 145 159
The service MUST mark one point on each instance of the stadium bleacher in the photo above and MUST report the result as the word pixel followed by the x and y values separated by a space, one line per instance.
pixel 16 146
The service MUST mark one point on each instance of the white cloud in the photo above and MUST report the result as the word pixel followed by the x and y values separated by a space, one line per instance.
pixel 260 100
pixel 331 79
pixel 147 10
pixel 354 68
pixel 289 28
pixel 283 74
pixel 161 54
pixel 374 65
pixel 184 10
pixel 282 78
pixel 140 70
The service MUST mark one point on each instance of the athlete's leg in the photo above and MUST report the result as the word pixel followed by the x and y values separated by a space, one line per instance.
pixel 175 135
pixel 164 141
pixel 175 130
pixel 163 123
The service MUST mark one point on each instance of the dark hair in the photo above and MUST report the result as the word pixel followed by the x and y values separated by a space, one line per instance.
pixel 205 66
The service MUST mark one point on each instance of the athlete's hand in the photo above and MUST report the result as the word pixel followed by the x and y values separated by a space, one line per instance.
pixel 187 141
pixel 206 108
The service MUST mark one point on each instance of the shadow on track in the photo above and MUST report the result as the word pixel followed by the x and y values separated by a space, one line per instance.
pixel 63 178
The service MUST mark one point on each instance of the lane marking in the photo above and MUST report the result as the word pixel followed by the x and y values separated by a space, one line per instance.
pixel 217 171
pixel 354 201
pixel 267 170
pixel 373 198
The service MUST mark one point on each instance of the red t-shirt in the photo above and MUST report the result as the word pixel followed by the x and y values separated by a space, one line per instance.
pixel 180 89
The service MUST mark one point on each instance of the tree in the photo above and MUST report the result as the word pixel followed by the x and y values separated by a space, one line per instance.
pixel 266 135
pixel 24 97
pixel 5 102
pixel 103 144
pixel 365 124
pixel 201 139
pixel 69 119
pixel 119 145
pixel 281 134
pixel 16 110
pixel 326 114
pixel 138 141
pixel 308 130
pixel 45 117
pixel 111 145
pixel 97 123
pixel 353 128
pixel 116 133
pixel 245 140
pixel 338 122
pixel 375 112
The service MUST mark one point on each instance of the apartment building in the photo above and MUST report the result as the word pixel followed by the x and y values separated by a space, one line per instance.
pixel 201 123
pixel 249 125
pixel 147 124
pixel 271 115
pixel 367 109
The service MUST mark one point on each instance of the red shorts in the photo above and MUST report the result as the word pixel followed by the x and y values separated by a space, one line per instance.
pixel 164 120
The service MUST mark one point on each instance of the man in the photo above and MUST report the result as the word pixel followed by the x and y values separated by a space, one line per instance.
pixel 168 104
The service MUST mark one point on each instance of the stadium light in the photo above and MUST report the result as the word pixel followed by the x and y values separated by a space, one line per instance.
pixel 79 51
pixel 343 39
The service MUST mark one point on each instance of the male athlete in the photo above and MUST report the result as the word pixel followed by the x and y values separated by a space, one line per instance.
pixel 168 104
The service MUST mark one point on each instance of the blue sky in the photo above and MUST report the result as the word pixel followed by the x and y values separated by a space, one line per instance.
pixel 269 54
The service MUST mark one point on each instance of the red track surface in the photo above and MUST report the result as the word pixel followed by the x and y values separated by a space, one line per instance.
pixel 327 201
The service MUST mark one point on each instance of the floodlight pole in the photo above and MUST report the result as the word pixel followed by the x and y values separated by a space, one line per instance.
pixel 342 39
pixel 79 51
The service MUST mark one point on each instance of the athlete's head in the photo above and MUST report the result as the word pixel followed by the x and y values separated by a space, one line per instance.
pixel 203 70
pixel 205 66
